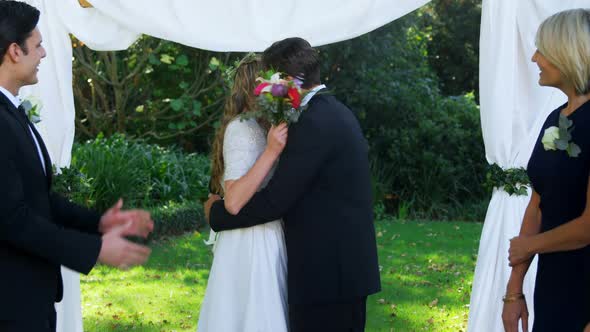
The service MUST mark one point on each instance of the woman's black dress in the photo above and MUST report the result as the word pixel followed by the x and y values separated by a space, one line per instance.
pixel 562 289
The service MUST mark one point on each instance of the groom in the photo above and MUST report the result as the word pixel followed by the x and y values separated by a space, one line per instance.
pixel 322 190
pixel 40 230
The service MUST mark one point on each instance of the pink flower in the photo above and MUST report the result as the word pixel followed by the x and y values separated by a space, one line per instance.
pixel 259 88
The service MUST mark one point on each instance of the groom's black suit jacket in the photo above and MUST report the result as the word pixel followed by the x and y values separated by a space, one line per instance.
pixel 322 190
pixel 39 230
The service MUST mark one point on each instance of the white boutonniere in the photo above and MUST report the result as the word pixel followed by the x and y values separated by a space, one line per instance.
pixel 32 106
pixel 560 138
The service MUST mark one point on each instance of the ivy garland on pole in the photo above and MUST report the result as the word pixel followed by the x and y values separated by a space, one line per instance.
pixel 514 181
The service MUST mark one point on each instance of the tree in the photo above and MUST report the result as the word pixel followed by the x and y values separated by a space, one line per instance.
pixel 156 89
pixel 454 43
pixel 426 149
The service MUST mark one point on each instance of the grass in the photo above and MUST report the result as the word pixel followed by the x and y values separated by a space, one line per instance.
pixel 426 269
pixel 426 275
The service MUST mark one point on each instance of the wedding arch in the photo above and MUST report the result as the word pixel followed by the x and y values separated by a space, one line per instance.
pixel 512 105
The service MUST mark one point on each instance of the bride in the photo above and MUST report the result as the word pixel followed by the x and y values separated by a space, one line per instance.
pixel 246 290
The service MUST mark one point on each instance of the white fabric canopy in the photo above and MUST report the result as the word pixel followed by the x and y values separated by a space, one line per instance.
pixel 238 25
pixel 513 110
pixel 230 25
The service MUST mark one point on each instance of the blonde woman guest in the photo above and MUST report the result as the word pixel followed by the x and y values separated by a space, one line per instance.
pixel 556 224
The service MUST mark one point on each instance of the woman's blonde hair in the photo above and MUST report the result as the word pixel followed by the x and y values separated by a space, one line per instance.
pixel 240 99
pixel 564 39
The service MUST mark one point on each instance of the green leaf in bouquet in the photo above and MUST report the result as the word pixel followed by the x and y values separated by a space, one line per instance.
pixel 267 74
pixel 292 115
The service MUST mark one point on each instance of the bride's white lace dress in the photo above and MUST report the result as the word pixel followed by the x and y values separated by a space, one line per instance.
pixel 247 290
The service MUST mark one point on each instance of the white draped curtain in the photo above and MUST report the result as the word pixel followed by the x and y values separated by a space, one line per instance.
pixel 224 25
pixel 513 109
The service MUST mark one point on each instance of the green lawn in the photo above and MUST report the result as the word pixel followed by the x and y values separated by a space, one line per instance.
pixel 426 268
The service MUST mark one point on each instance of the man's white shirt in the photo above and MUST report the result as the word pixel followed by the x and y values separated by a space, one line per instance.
pixel 311 93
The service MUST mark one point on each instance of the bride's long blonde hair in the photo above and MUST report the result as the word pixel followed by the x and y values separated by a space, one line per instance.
pixel 240 100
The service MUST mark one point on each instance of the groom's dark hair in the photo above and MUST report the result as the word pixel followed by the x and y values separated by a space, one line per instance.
pixel 294 57
pixel 17 22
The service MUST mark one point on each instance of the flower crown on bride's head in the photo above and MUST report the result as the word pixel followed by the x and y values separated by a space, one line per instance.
pixel 230 72
pixel 248 58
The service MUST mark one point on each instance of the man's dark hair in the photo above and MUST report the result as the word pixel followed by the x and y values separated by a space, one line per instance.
pixel 17 22
pixel 294 57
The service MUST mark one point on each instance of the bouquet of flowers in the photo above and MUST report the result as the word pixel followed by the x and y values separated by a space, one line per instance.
pixel 278 98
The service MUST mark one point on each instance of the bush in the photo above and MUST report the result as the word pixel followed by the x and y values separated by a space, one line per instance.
pixel 177 218
pixel 454 43
pixel 74 185
pixel 426 150
pixel 105 169
pixel 434 161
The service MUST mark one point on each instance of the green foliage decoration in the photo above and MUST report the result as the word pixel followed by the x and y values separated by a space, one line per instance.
pixel 514 181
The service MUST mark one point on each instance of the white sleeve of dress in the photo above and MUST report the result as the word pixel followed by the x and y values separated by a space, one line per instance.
pixel 239 149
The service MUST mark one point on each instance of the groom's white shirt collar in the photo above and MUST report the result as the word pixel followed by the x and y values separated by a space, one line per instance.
pixel 15 101
pixel 312 93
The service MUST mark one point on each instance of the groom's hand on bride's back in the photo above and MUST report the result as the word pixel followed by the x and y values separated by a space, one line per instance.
pixel 119 252
pixel 207 205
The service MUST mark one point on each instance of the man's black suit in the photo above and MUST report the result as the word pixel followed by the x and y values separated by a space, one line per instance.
pixel 39 230
pixel 322 190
